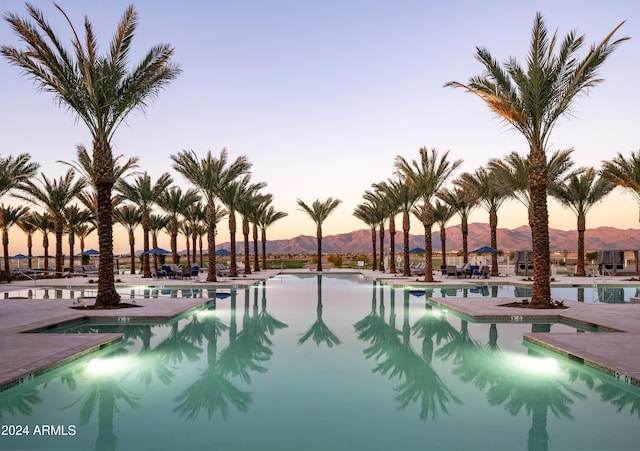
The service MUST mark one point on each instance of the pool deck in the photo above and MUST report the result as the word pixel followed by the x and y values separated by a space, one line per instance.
pixel 27 355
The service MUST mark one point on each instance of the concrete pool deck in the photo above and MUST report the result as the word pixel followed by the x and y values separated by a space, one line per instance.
pixel 27 355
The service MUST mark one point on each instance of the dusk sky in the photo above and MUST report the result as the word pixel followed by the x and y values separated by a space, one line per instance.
pixel 322 96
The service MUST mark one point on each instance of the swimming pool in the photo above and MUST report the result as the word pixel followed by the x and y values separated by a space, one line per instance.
pixel 324 362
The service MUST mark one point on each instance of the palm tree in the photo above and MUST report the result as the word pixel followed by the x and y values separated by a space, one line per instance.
pixel 249 207
pixel 513 171
pixel 174 202
pixel 491 193
pixel 9 216
pixel 427 175
pixel 195 216
pixel 442 213
pixel 54 196
pixel 624 173
pixel 579 192
pixel 28 227
pixel 43 222
pixel 84 229
pixel 405 196
pixel 318 212
pixel 371 216
pixel 142 193
pixel 156 224
pixel 102 91
pixel 232 195
pixel 253 211
pixel 74 219
pixel 380 203
pixel 532 99
pixel 266 220
pixel 210 175
pixel 463 201
pixel 130 217
pixel 14 170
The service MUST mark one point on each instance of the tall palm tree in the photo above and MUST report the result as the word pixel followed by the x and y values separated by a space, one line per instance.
pixel 156 224
pixel 579 192
pixel 491 193
pixel 174 202
pixel 513 171
pixel 319 211
pixel 74 217
pixel 43 222
pixel 381 204
pixel 130 217
pixel 252 211
pixel 83 230
pixel 463 201
pixel 9 216
pixel 405 196
pixel 248 206
pixel 532 99
pixel 102 91
pixel 144 194
pixel 28 227
pixel 232 195
pixel 54 196
pixel 442 213
pixel 624 173
pixel 269 216
pixel 209 176
pixel 195 216
pixel 371 216
pixel 427 175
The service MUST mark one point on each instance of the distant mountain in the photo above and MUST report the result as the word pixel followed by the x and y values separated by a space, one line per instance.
pixel 479 235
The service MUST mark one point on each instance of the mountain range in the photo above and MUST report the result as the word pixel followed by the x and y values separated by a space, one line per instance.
pixel 359 241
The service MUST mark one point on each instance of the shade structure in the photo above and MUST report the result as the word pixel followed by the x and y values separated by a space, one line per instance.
pixel 485 250
pixel 18 257
pixel 417 250
pixel 90 252
pixel 222 252
pixel 158 251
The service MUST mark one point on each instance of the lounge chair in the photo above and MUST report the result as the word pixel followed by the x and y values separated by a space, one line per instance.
pixel 452 271
pixel 158 273
pixel 482 273
pixel 222 269
pixel 418 270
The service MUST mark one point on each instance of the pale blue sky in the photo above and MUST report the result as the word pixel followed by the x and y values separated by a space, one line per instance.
pixel 321 96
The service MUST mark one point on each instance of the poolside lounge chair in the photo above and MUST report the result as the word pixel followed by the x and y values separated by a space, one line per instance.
pixel 452 271
pixel 418 270
pixel 158 273
pixel 222 269
pixel 482 273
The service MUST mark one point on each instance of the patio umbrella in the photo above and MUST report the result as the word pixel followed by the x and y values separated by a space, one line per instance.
pixel 90 252
pixel 158 251
pixel 18 257
pixel 222 252
pixel 485 250
pixel 417 250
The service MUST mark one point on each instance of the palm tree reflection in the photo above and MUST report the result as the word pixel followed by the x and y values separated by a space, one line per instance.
pixel 319 332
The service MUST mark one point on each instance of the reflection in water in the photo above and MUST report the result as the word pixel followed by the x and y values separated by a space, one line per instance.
pixel 408 364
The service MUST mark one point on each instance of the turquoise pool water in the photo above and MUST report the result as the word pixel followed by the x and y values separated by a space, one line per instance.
pixel 323 363
pixel 587 293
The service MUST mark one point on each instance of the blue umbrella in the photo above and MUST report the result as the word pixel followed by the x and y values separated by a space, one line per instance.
pixel 222 252
pixel 485 250
pixel 158 251
pixel 19 256
pixel 417 250
pixel 90 252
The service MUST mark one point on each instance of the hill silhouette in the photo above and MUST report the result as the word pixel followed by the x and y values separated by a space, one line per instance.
pixel 359 241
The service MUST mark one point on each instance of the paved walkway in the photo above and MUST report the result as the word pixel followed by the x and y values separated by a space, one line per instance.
pixel 27 355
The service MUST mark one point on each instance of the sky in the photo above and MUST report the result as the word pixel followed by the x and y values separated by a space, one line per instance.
pixel 322 96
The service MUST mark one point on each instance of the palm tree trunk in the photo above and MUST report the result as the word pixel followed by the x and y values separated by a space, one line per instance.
pixel 427 221
pixel 5 249
pixel 45 246
pixel 582 225
pixel 233 266
pixel 465 238
pixel 493 226
pixel 132 251
pixel 107 296
pixel 211 243
pixel 30 249
pixel 146 226
pixel 392 242
pixel 194 242
pixel 443 244
pixel 72 241
pixel 406 224
pixel 174 241
pixel 247 256
pixel 264 248
pixel 319 238
pixel 375 255
pixel 381 267
pixel 59 230
pixel 256 258
pixel 538 179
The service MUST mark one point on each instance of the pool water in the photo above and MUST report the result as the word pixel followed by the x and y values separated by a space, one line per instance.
pixel 324 363
pixel 587 293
